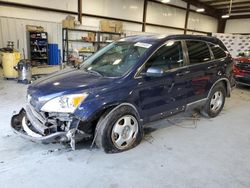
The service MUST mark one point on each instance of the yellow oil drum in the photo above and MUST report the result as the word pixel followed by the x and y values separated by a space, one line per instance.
pixel 9 61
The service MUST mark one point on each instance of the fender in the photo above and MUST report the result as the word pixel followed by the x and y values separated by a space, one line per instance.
pixel 127 104
pixel 229 89
pixel 201 102
pixel 91 110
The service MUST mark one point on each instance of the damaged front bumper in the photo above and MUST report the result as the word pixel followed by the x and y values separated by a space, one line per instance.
pixel 20 125
pixel 33 126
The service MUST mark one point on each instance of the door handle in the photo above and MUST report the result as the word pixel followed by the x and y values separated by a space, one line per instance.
pixel 212 66
pixel 179 74
pixel 182 73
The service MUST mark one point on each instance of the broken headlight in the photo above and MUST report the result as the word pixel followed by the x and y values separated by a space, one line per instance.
pixel 65 104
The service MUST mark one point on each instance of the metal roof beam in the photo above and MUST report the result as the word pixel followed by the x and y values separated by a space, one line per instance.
pixel 209 9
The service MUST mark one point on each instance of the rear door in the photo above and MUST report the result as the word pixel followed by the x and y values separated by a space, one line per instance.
pixel 202 69
pixel 220 59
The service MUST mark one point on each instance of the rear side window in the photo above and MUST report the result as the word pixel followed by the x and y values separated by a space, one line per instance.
pixel 198 52
pixel 217 51
pixel 169 56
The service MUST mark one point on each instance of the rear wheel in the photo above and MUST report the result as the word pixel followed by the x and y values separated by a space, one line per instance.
pixel 119 130
pixel 215 102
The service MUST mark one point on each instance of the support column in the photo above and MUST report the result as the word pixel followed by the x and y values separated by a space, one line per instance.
pixel 186 19
pixel 144 15
pixel 79 4
pixel 221 25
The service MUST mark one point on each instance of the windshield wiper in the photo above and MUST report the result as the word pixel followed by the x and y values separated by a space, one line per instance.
pixel 94 72
pixel 91 71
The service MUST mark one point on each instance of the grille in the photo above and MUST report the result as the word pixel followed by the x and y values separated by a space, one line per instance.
pixel 244 66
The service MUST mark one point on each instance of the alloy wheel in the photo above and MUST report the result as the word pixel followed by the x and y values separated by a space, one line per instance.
pixel 124 132
pixel 216 101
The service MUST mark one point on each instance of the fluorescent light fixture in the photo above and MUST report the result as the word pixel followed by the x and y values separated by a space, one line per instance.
pixel 133 7
pixel 165 1
pixel 225 16
pixel 200 10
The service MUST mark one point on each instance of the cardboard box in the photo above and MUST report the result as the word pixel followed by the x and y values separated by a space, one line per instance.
pixel 69 17
pixel 91 36
pixel 34 28
pixel 70 24
pixel 119 27
pixel 107 26
pixel 111 26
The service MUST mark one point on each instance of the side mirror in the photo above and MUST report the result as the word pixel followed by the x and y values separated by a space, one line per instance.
pixel 154 72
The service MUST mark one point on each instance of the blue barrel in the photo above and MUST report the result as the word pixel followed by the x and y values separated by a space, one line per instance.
pixel 54 56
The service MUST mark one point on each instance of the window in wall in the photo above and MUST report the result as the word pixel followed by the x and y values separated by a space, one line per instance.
pixel 198 52
pixel 217 51
pixel 169 56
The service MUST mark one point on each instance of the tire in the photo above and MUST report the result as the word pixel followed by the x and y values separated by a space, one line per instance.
pixel 215 102
pixel 118 130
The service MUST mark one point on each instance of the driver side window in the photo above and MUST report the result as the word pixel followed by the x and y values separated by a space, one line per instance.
pixel 169 56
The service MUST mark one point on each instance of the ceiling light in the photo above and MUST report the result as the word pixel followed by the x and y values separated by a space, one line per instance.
pixel 225 16
pixel 229 12
pixel 133 7
pixel 165 1
pixel 200 10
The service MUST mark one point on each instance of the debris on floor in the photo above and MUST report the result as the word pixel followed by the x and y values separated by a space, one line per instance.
pixel 177 120
pixel 50 151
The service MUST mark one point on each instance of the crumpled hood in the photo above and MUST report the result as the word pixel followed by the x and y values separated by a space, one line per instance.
pixel 65 82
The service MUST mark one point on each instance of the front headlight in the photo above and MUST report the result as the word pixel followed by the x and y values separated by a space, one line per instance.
pixel 66 103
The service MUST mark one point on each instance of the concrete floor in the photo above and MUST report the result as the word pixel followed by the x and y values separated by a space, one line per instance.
pixel 179 153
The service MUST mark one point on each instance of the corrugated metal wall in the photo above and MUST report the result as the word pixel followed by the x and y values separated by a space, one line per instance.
pixel 14 29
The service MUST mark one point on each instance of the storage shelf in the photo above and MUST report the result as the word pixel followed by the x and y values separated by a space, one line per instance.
pixel 111 33
pixel 105 42
pixel 37 39
pixel 80 51
pixel 79 40
pixel 88 41
pixel 101 32
pixel 41 38
pixel 86 52
pixel 97 44
pixel 36 58
pixel 39 44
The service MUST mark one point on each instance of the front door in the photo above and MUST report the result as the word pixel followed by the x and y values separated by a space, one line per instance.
pixel 165 95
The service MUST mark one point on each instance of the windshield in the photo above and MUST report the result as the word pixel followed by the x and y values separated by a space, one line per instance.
pixel 115 59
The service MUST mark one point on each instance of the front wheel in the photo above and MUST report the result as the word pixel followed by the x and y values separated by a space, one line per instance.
pixel 119 130
pixel 215 102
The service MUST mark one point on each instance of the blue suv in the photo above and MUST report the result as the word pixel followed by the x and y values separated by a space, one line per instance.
pixel 125 85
